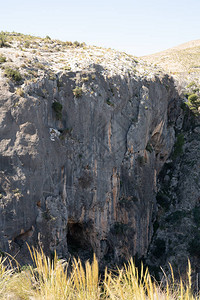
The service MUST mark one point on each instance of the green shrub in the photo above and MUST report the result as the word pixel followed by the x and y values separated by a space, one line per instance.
pixel 193 103
pixel 57 107
pixel 27 44
pixel 192 98
pixel 191 84
pixel 77 92
pixel 3 39
pixel 76 44
pixel 13 74
pixel 2 59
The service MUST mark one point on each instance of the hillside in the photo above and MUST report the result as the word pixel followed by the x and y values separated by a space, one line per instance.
pixel 43 54
pixel 184 58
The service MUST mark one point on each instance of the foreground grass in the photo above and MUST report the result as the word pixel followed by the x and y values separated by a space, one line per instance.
pixel 51 279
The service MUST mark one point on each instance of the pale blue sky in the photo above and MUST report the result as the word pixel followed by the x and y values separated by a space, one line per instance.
pixel 137 27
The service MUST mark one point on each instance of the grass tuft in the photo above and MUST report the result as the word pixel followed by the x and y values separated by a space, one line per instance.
pixel 57 279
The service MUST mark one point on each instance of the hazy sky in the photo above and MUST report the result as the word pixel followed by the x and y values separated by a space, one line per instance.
pixel 137 27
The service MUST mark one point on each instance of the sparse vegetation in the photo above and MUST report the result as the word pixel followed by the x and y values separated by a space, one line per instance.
pixel 27 44
pixel 52 76
pixel 191 84
pixel 67 68
pixel 33 73
pixel 77 92
pixel 57 107
pixel 192 98
pixel 180 58
pixel 2 59
pixel 50 279
pixel 85 79
pixel 39 65
pixel 76 44
pixel 13 74
pixel 20 92
pixel 3 39
pixel 109 102
pixel 194 102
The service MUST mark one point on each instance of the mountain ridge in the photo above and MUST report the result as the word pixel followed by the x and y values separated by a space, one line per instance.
pixel 182 58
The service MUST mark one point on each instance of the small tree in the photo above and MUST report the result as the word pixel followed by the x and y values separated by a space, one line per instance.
pixel 194 102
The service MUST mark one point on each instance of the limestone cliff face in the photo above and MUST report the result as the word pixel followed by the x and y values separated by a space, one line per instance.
pixel 177 234
pixel 86 179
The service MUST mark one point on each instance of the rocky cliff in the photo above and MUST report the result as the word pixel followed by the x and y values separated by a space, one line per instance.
pixel 84 134
pixel 177 226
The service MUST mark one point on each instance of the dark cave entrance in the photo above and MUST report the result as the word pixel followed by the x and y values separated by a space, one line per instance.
pixel 78 241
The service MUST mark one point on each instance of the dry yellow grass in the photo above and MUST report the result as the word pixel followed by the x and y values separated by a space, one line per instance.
pixel 50 279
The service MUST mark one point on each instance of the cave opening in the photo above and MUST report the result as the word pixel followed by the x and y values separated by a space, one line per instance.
pixel 78 241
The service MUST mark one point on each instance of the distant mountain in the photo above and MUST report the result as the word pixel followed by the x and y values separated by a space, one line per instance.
pixel 183 58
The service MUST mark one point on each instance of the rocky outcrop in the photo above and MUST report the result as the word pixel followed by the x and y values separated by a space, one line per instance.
pixel 84 174
pixel 176 229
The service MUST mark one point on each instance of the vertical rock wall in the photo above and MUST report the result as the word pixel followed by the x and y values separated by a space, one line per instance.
pixel 86 182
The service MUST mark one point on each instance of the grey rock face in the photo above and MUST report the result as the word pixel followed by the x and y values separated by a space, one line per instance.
pixel 177 236
pixel 86 181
